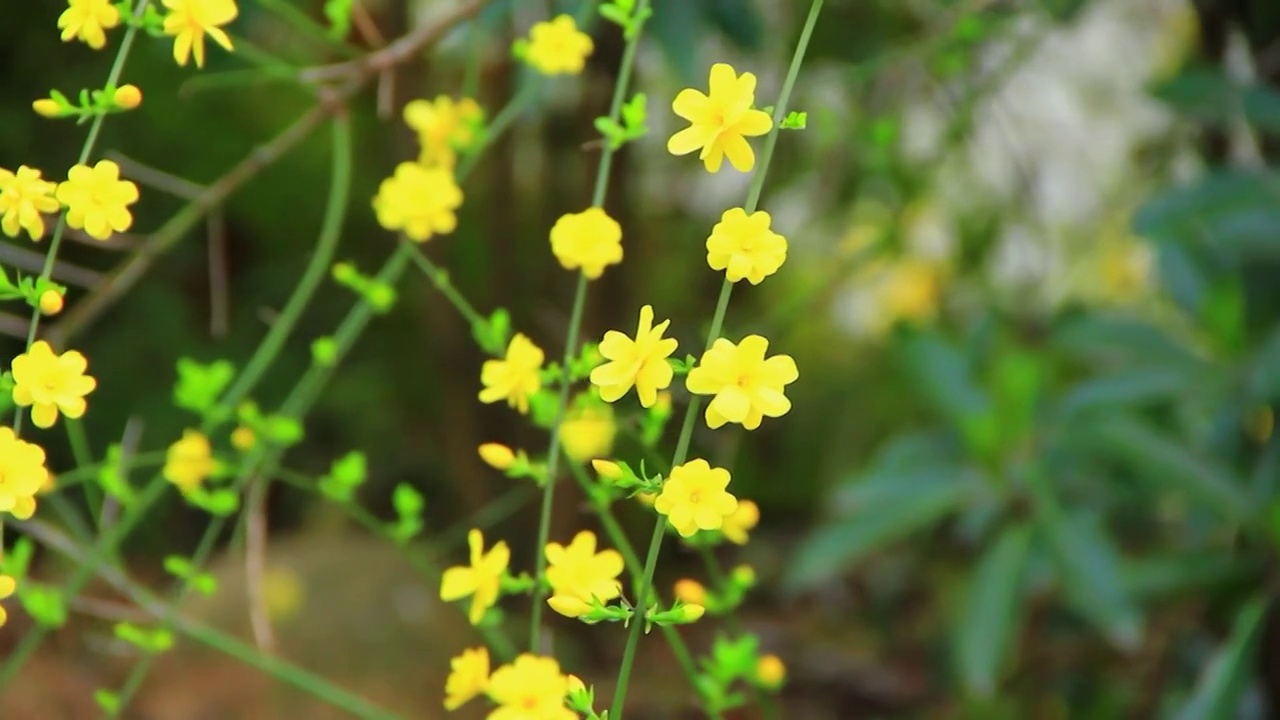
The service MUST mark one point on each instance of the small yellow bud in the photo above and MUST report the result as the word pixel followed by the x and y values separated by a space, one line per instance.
pixel 575 684
pixel 691 612
pixel 607 469
pixel 647 498
pixel 243 438
pixel 690 591
pixel 497 456
pixel 47 107
pixel 744 575
pixel 568 605
pixel 127 97
pixel 51 302
pixel 770 671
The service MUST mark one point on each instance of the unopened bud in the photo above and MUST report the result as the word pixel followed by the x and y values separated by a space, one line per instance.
pixel 46 107
pixel 607 469
pixel 127 97
pixel 568 605
pixel 770 671
pixel 688 613
pixel 51 302
pixel 497 456
pixel 690 591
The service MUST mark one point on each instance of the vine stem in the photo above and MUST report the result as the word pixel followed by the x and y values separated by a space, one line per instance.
pixel 695 403
pixel 575 326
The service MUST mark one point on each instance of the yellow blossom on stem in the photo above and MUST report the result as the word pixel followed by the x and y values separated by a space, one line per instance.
pixel 188 21
pixel 8 586
pixel 47 107
pixel 497 456
pixel 51 302
pixel 22 472
pixel 744 247
pixel 747 387
pixel 468 677
pixel 639 362
pixel 587 432
pixel 97 199
pixel 127 97
pixel 694 497
pixel 531 688
pixel 516 377
pixel 688 590
pixel 741 522
pixel 243 438
pixel 720 122
pixel 770 671
pixel 577 571
pixel 589 240
pixel 482 580
pixel 24 197
pixel 444 126
pixel 189 461
pixel 88 21
pixel 420 201
pixel 607 469
pixel 51 383
pixel 557 47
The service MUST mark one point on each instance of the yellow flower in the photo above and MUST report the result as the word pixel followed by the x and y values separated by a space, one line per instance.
pixel 578 571
pixel 587 432
pixel 741 522
pixel 482 580
pixel 189 461
pixel 690 591
pixel 87 20
pixel 497 456
pixel 744 247
pixel 719 122
pixel 23 197
pixel 607 469
pixel 694 497
pixel 569 606
pixel 641 362
pixel 514 378
pixel 419 200
pixel 911 291
pixel 589 240
pixel 51 383
pixel 97 199
pixel 443 128
pixel 51 302
pixel 468 677
pixel 243 438
pixel 770 671
pixel 746 386
pixel 22 472
pixel 557 47
pixel 127 97
pixel 531 688
pixel 8 586
pixel 189 21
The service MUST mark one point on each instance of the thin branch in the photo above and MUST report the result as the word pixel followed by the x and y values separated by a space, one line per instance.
pixel 63 272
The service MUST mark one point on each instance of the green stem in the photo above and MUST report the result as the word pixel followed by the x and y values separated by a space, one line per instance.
pixel 322 257
pixel 571 343
pixel 82 456
pixel 717 323
pixel 440 279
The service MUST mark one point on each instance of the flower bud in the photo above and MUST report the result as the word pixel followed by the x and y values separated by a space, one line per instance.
pixel 770 671
pixel 243 438
pixel 497 456
pixel 607 469
pixel 127 97
pixel 690 591
pixel 575 684
pixel 744 575
pixel 46 107
pixel 51 302
pixel 688 613
pixel 568 605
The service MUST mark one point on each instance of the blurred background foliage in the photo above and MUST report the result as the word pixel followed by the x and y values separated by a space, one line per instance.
pixel 1030 471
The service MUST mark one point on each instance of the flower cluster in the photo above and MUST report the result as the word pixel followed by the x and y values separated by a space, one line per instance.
pixel 188 22
pixel 96 199
pixel 556 47
pixel 578 575
pixel 530 688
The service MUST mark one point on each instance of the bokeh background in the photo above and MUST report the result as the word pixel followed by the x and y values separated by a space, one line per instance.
pixel 1030 469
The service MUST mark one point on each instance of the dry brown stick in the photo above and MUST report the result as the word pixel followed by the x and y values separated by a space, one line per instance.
pixel 398 52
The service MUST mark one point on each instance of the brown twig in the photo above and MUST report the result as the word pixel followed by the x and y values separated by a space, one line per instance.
pixel 398 52
pixel 255 568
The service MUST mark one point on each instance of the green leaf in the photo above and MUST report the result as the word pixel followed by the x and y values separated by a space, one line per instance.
pixel 1162 459
pixel 1169 575
pixel 44 604
pixel 351 469
pixel 1218 691
pixel 338 12
pixel 107 700
pixel 199 385
pixel 836 546
pixel 991 612
pixel 1089 570
pixel 942 376
pixel 1125 388
pixel 282 430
